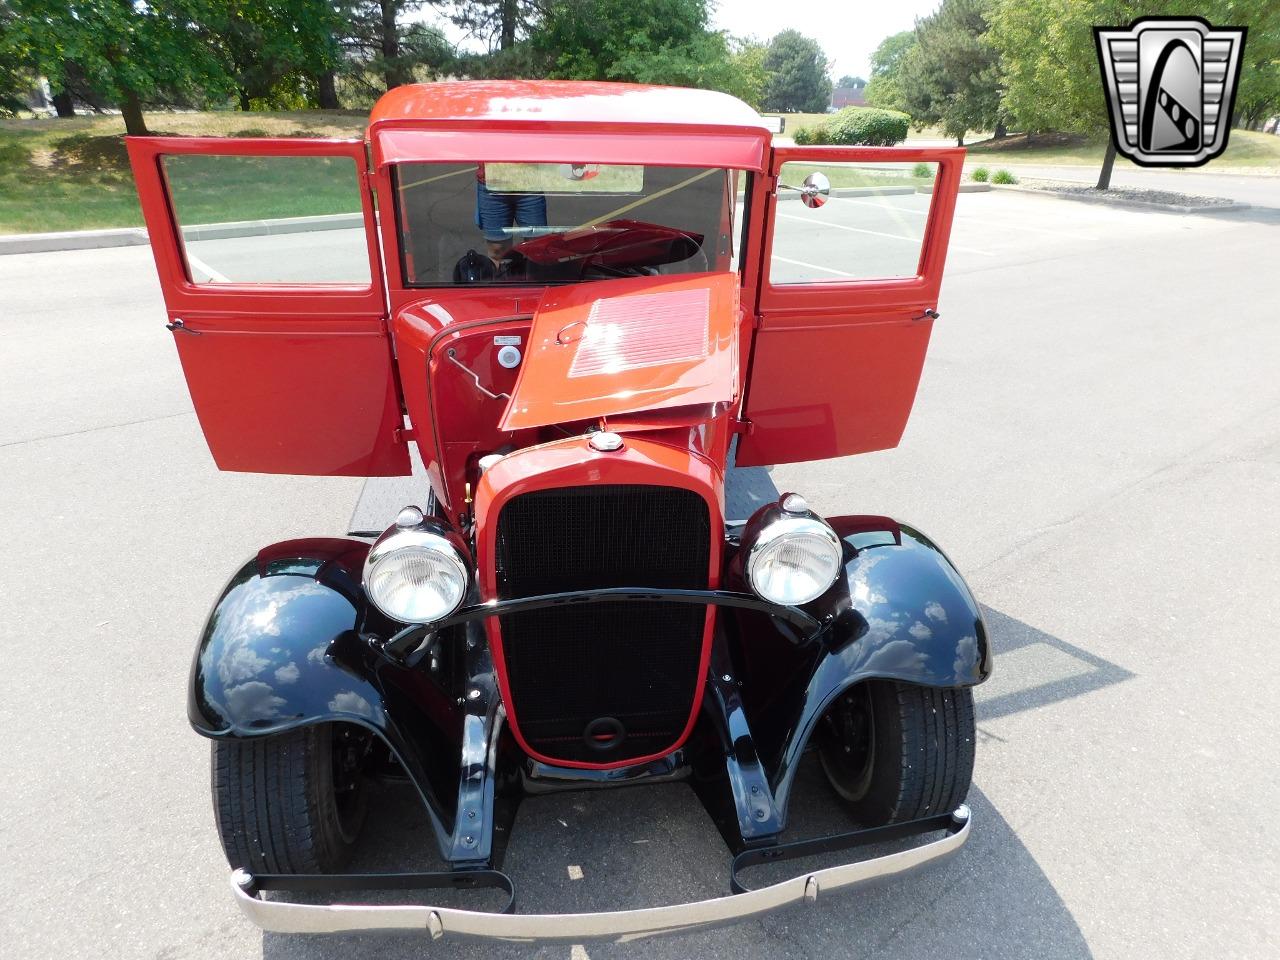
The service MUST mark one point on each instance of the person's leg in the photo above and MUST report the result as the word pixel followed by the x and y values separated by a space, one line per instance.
pixel 495 214
pixel 530 210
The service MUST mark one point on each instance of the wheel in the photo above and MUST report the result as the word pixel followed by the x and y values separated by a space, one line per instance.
pixel 896 751
pixel 291 803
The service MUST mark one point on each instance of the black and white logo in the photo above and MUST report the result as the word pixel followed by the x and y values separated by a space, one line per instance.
pixel 1171 83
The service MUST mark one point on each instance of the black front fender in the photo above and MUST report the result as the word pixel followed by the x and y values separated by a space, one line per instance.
pixel 284 647
pixel 900 611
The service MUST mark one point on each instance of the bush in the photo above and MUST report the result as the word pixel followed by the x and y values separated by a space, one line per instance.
pixel 921 170
pixel 1004 176
pixel 867 126
pixel 812 136
pixel 858 126
pixel 980 174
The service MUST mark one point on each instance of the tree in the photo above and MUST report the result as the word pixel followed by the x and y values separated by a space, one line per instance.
pixel 747 70
pixel 951 76
pixel 381 41
pixel 847 81
pixel 1258 95
pixel 1050 62
pixel 884 89
pixel 497 23
pixel 660 41
pixel 798 80
pixel 276 52
pixel 128 52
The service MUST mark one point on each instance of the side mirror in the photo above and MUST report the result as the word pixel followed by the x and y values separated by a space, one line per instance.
pixel 814 191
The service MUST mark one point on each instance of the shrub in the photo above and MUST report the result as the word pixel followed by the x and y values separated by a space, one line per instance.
pixel 812 136
pixel 867 126
pixel 1004 176
pixel 980 174
pixel 921 170
pixel 858 126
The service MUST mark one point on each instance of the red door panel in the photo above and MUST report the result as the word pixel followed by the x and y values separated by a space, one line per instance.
pixel 838 352
pixel 289 377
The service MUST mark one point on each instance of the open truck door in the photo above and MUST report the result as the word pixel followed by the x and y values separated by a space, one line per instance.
pixel 854 246
pixel 268 261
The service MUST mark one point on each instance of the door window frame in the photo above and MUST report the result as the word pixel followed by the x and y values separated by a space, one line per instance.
pixel 182 295
pixel 845 298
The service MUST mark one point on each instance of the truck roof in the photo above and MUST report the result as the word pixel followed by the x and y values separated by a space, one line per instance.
pixel 561 101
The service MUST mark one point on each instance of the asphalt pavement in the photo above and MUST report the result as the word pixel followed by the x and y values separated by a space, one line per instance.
pixel 1096 443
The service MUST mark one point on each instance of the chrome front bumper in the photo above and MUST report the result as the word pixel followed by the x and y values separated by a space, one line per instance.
pixel 285 917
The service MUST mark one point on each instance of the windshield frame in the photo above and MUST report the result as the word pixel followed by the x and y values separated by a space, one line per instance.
pixel 739 232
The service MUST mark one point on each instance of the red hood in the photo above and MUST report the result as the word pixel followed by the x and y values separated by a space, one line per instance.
pixel 624 346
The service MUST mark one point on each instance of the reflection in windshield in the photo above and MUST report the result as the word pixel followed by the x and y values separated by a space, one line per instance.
pixel 561 223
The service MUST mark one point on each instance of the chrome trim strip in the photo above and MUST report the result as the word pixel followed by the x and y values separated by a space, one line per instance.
pixel 623 925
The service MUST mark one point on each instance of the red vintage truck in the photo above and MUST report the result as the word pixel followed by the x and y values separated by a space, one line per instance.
pixel 577 320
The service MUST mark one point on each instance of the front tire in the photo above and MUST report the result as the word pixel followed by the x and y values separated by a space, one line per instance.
pixel 291 803
pixel 897 751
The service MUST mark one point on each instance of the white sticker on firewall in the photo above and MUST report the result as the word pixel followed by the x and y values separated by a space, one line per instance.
pixel 506 341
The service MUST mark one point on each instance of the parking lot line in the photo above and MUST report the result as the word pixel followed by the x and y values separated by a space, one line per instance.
pixel 814 266
pixel 197 264
pixel 876 233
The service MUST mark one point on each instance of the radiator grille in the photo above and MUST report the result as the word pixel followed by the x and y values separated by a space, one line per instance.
pixel 636 664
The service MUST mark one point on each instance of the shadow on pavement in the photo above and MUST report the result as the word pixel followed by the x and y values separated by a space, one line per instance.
pixel 655 845
pixel 1034 669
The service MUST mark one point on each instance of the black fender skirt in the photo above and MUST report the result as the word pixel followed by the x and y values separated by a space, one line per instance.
pixel 285 647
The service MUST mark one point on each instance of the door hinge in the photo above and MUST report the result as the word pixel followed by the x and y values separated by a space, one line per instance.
pixel 405 434
pixel 743 426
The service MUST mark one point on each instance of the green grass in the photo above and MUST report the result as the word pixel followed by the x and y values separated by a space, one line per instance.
pixel 854 176
pixel 74 174
pixel 1245 148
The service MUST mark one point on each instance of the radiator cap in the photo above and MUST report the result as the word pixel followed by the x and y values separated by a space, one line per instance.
pixel 605 442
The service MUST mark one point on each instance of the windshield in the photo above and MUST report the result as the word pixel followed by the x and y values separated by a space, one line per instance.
pixel 494 223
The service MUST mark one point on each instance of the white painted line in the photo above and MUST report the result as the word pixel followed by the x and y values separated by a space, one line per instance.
pixel 876 233
pixel 578 952
pixel 575 872
pixel 195 263
pixel 814 266
pixel 882 206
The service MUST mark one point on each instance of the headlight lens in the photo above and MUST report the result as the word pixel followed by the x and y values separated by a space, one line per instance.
pixel 415 576
pixel 793 560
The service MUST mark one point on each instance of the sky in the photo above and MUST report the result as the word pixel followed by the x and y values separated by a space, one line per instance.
pixel 849 30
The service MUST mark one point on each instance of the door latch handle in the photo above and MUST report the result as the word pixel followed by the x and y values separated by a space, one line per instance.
pixel 177 325
pixel 929 312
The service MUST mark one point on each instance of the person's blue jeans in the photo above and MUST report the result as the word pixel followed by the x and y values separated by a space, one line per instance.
pixel 497 212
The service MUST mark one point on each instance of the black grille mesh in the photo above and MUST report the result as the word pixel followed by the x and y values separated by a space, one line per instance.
pixel 635 663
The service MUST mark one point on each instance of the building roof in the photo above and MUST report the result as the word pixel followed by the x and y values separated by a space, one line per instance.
pixel 561 101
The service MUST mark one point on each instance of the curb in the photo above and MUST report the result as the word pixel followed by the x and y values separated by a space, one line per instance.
pixel 964 188
pixel 137 236
pixel 72 240
pixel 1133 204
pixel 855 192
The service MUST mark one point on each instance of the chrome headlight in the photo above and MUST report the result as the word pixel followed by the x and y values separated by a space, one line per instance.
pixel 416 574
pixel 793 559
